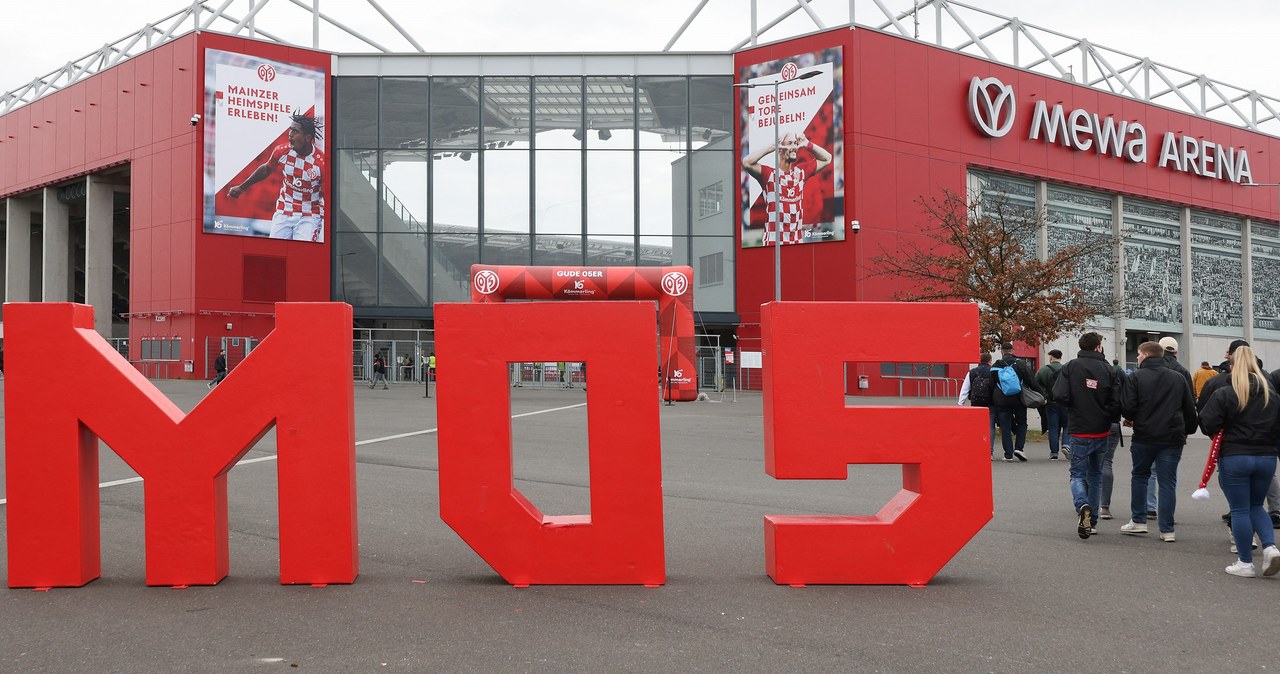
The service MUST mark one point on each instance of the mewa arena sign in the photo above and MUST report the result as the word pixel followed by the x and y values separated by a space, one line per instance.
pixel 993 108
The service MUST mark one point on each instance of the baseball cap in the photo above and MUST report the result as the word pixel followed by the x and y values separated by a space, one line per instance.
pixel 1007 346
pixel 1235 345
pixel 1169 343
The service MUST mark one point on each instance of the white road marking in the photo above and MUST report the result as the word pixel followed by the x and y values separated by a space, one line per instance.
pixel 385 438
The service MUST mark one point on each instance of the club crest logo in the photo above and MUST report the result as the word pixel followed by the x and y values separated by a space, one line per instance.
pixel 486 281
pixel 674 283
pixel 266 73
pixel 789 72
pixel 991 106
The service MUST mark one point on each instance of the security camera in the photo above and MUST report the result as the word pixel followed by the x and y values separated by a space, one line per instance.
pixel 195 119
pixel 855 226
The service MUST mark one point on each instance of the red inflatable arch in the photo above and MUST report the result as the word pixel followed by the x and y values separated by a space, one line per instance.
pixel 672 287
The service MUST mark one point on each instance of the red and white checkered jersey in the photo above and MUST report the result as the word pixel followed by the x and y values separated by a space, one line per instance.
pixel 301 188
pixel 790 194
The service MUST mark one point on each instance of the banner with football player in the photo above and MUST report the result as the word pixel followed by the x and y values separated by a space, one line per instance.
pixel 265 164
pixel 793 193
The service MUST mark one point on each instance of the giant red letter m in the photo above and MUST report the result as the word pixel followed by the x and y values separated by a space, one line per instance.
pixel 66 387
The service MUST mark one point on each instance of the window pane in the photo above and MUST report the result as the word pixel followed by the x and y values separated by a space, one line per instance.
pixel 1218 282
pixel 455 112
pixel 1153 245
pixel 506 191
pixel 404 192
pixel 655 251
pixel 663 203
pixel 712 184
pixel 664 112
pixel 611 192
pixel 611 113
pixel 558 113
pixel 559 192
pixel 1266 275
pixel 453 253
pixel 455 192
pixel 611 251
pixel 357 255
pixel 505 249
pixel 506 112
pixel 356 105
pixel 557 251
pixel 356 174
pixel 404 271
pixel 711 111
pixel 713 258
pixel 404 111
pixel 1080 217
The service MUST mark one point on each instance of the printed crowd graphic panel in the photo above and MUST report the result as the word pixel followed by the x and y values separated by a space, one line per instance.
pixel 672 287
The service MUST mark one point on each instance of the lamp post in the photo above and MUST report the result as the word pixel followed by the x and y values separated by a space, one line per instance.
pixel 777 219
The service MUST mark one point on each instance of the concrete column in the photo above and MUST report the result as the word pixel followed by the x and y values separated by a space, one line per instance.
pixel 1120 300
pixel 98 234
pixel 1246 268
pixel 55 272
pixel 1187 319
pixel 17 253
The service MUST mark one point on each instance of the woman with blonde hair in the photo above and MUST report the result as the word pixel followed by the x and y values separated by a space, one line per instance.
pixel 1248 414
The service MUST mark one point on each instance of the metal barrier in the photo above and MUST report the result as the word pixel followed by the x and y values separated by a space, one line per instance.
pixel 930 387
pixel 158 369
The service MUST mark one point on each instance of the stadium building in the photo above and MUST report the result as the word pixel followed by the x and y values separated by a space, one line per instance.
pixel 184 179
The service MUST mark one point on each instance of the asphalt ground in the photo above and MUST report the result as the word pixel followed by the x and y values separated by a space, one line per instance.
pixel 1025 595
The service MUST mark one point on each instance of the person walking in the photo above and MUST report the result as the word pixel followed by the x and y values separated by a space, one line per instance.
pixel 976 391
pixel 1247 413
pixel 379 371
pixel 1006 396
pixel 1088 388
pixel 220 368
pixel 1055 415
pixel 1201 377
pixel 1157 399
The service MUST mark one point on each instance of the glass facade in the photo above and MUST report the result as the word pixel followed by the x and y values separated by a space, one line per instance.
pixel 434 174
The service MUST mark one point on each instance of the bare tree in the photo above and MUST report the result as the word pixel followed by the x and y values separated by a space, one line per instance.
pixel 983 250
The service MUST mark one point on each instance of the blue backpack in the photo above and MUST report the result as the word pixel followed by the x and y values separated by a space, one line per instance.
pixel 1010 383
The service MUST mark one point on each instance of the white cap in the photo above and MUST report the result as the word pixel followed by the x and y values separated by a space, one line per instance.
pixel 1169 344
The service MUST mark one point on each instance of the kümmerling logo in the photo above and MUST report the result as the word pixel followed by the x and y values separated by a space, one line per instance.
pixel 991 106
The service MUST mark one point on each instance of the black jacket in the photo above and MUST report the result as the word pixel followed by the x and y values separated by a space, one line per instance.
pixel 220 363
pixel 1089 388
pixel 1172 361
pixel 1251 431
pixel 1160 404
pixel 1218 381
pixel 998 398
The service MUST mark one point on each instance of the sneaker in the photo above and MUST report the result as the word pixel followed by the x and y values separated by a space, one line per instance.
pixel 1167 536
pixel 1275 520
pixel 1007 459
pixel 1242 569
pixel 1084 527
pixel 1093 531
pixel 1152 513
pixel 1104 513
pixel 1134 528
pixel 1270 561
pixel 1234 551
pixel 1022 456
pixel 1053 457
pixel 1066 451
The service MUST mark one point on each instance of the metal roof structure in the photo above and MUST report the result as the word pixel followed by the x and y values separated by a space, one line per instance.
pixel 948 24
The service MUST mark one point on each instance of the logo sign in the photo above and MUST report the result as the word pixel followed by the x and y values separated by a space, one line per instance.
pixel 675 284
pixel 266 73
pixel 789 72
pixel 991 106
pixel 486 281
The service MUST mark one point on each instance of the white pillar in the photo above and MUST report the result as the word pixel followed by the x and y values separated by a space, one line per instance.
pixel 1188 321
pixel 98 234
pixel 1120 301
pixel 1246 258
pixel 55 272
pixel 17 253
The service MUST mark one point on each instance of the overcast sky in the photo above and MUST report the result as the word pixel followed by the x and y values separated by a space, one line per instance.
pixel 1231 41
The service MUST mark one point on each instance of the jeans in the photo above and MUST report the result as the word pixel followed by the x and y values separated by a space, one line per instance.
pixel 1152 505
pixel 1056 420
pixel 1086 472
pixel 1108 476
pixel 991 432
pixel 1164 459
pixel 1244 480
pixel 1013 421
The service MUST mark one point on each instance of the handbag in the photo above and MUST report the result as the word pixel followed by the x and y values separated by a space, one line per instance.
pixel 1032 398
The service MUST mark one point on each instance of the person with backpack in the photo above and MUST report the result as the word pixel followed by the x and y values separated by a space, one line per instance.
pixel 977 392
pixel 1008 377
pixel 379 371
pixel 1089 388
pixel 1055 415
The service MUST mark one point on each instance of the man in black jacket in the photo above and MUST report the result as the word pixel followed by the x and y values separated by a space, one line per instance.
pixel 1011 414
pixel 1088 388
pixel 1170 355
pixel 1159 402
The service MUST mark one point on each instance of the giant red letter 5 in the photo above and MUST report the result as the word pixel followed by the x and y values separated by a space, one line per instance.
pixel 620 541
pixel 811 434
pixel 66 387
